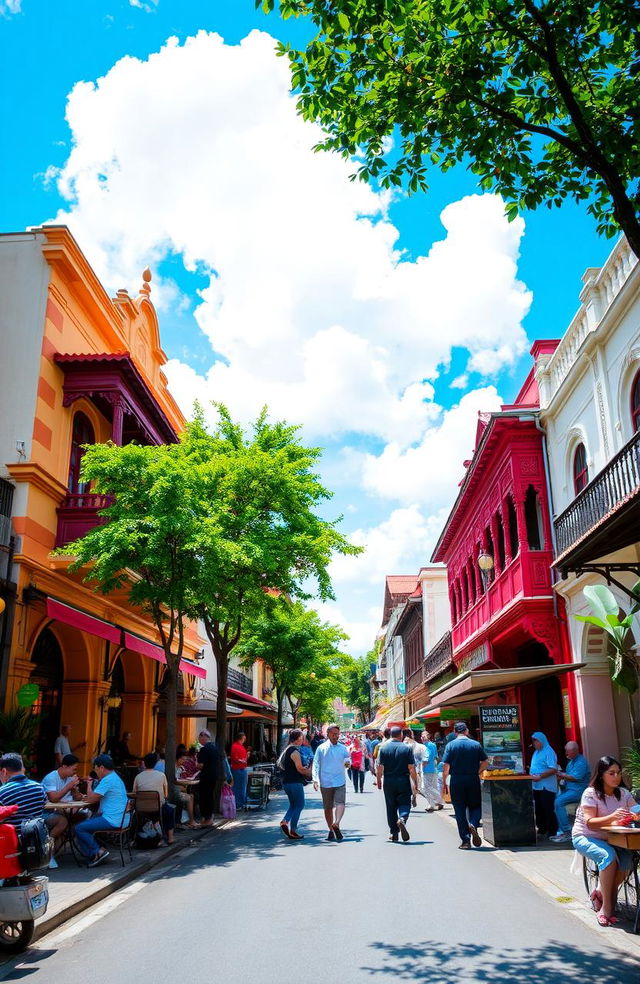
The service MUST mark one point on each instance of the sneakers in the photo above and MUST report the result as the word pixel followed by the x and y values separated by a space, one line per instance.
pixel 402 827
pixel 331 836
pixel 99 858
pixel 429 809
pixel 338 832
pixel 475 836
pixel 561 838
pixel 465 846
pixel 393 838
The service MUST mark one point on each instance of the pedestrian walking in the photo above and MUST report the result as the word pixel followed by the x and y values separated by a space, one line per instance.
pixel 358 765
pixel 239 755
pixel 329 774
pixel 397 768
pixel 430 789
pixel 208 759
pixel 294 773
pixel 417 748
pixel 463 761
pixel 544 772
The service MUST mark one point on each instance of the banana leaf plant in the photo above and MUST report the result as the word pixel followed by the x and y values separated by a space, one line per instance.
pixel 623 659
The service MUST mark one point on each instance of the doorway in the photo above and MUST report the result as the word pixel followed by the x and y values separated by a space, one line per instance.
pixel 48 674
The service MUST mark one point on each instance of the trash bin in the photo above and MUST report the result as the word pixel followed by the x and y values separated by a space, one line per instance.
pixel 257 791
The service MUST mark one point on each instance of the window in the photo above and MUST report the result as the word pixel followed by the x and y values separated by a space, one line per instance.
pixel 580 469
pixel 454 607
pixel 491 550
pixel 513 527
pixel 82 433
pixel 635 403
pixel 533 519
pixel 465 590
pixel 472 584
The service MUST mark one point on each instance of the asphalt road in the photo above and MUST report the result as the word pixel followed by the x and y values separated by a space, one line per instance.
pixel 253 907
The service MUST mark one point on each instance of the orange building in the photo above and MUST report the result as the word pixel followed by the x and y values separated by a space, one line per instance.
pixel 77 366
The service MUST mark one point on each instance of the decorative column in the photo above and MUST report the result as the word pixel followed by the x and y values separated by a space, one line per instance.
pixel 493 525
pixel 508 556
pixel 118 421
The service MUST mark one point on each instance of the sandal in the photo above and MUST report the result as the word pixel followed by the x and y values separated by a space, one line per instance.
pixel 603 920
pixel 596 899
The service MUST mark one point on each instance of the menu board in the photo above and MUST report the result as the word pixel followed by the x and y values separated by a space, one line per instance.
pixel 502 736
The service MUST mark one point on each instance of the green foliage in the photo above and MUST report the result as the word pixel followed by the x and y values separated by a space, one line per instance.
pixel 624 669
pixel 541 97
pixel 18 732
pixel 631 763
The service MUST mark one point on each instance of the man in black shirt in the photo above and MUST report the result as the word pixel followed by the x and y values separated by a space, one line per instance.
pixel 464 759
pixel 208 759
pixel 395 763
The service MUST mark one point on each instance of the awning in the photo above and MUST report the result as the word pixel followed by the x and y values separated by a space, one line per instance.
pixel 81 620
pixel 248 698
pixel 150 649
pixel 205 709
pixel 477 685
pixel 257 715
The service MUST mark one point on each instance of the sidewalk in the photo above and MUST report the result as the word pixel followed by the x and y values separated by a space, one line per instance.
pixel 73 889
pixel 548 867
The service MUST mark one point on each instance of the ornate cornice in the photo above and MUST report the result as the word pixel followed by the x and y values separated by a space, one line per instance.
pixel 34 474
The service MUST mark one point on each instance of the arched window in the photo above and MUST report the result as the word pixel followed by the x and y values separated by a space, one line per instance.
pixel 533 519
pixel 82 433
pixel 635 403
pixel 580 469
pixel 454 607
pixel 513 527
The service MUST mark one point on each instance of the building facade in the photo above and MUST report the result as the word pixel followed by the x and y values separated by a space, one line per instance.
pixel 590 407
pixel 78 367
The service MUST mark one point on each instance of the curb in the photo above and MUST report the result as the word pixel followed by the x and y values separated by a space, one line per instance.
pixel 129 874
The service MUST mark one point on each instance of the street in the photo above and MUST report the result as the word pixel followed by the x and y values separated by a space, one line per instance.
pixel 249 904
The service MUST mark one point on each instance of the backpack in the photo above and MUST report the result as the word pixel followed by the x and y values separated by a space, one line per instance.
pixel 36 846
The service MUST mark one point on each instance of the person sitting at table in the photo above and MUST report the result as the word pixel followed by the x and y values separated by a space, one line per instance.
pixel 61 786
pixel 17 789
pixel 150 780
pixel 110 796
pixel 186 798
pixel 604 803
pixel 189 764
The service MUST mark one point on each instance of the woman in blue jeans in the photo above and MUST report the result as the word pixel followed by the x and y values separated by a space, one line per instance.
pixel 293 775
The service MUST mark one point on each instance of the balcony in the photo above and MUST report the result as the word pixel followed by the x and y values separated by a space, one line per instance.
pixel 415 679
pixel 600 519
pixel 78 514
pixel 439 659
pixel 240 681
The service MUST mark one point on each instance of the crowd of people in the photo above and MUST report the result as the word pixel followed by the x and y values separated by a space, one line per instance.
pixel 405 766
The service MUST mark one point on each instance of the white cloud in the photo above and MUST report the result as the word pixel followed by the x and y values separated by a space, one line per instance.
pixel 10 7
pixel 147 5
pixel 430 471
pixel 361 631
pixel 199 152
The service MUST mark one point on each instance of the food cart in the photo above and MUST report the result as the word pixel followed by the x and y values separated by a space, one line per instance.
pixel 508 816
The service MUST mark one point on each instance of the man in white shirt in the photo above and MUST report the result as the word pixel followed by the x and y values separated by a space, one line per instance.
pixel 62 745
pixel 61 786
pixel 330 763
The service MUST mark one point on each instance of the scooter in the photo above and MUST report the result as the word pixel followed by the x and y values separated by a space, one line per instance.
pixel 23 897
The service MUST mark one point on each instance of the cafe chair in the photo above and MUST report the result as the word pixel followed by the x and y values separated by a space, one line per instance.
pixel 147 807
pixel 119 837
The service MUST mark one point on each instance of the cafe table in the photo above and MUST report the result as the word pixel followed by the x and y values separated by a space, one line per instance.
pixel 68 807
pixel 629 837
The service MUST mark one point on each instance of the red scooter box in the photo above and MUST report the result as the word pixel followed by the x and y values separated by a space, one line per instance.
pixel 10 864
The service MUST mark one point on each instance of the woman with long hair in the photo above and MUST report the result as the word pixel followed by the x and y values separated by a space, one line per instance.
pixel 605 802
pixel 358 764
pixel 293 775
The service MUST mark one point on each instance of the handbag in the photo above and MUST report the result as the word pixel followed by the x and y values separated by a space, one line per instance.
pixel 227 803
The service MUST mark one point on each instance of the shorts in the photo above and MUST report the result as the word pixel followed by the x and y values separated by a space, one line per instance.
pixel 603 853
pixel 333 796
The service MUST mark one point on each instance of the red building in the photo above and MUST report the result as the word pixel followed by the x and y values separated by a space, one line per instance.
pixel 497 545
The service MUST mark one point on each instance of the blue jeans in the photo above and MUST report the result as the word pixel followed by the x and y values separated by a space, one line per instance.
pixel 84 834
pixel 240 787
pixel 295 795
pixel 569 796
pixel 466 801
pixel 603 853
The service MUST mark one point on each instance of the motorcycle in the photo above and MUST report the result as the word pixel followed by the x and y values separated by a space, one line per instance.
pixel 23 897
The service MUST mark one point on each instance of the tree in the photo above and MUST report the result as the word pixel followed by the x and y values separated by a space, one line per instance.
pixel 302 653
pixel 147 545
pixel 542 97
pixel 358 685
pixel 623 661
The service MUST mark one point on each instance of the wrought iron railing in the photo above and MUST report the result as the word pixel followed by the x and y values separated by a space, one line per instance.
pixel 616 482
pixel 439 658
pixel 240 681
pixel 86 500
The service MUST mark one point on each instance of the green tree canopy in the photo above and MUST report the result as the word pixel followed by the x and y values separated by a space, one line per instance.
pixel 541 95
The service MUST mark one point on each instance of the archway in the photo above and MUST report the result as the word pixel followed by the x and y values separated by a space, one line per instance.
pixel 48 674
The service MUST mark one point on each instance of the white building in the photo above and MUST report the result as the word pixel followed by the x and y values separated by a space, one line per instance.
pixel 590 408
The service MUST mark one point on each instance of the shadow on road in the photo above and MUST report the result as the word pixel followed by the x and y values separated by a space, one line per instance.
pixel 472 963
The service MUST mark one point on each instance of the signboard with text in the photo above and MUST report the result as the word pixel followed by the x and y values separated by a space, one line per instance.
pixel 500 725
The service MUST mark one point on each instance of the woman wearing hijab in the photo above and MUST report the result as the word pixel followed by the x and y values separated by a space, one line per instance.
pixel 543 770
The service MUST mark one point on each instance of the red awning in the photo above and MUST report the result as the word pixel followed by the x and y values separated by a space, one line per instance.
pixel 153 651
pixel 238 694
pixel 80 620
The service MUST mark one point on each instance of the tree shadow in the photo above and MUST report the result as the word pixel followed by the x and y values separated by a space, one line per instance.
pixel 471 963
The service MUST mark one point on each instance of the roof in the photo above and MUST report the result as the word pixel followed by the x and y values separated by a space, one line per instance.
pixel 397 589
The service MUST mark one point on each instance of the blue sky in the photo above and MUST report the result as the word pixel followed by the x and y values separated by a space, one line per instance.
pixel 276 279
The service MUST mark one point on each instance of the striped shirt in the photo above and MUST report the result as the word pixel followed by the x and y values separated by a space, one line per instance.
pixel 29 795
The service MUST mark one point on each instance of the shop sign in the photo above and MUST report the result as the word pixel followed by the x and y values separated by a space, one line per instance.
pixel 28 695
pixel 474 659
pixel 566 707
pixel 449 714
pixel 500 725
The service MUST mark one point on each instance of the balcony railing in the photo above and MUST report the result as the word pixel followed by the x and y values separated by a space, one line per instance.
pixel 439 658
pixel 78 514
pixel 240 681
pixel 619 480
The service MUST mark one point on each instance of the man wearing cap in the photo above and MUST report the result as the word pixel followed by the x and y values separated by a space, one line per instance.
pixel 396 764
pixel 111 796
pixel 463 760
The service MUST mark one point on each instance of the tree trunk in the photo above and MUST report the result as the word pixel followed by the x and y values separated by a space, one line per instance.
pixel 280 697
pixel 222 662
pixel 172 716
